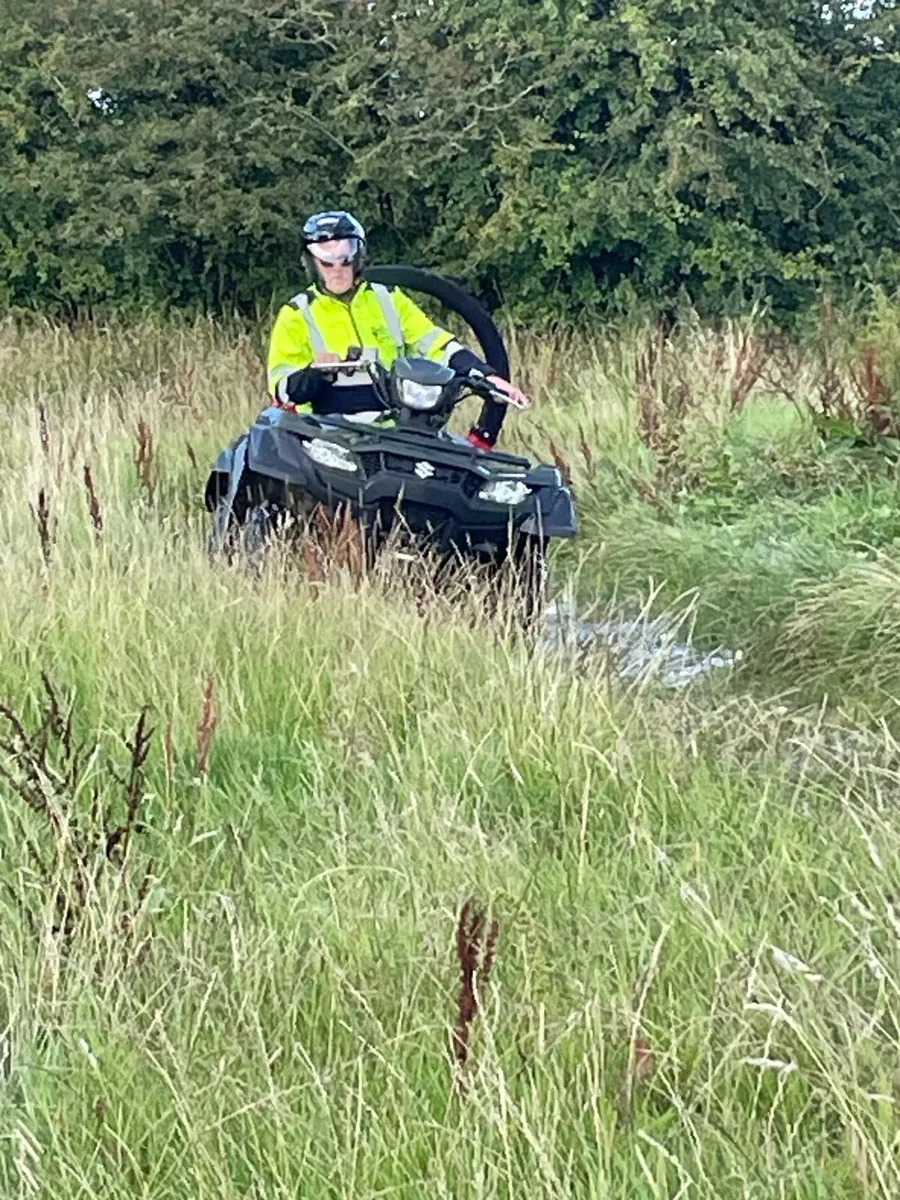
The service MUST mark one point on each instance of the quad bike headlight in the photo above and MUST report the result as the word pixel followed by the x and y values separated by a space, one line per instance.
pixel 422 397
pixel 505 491
pixel 327 454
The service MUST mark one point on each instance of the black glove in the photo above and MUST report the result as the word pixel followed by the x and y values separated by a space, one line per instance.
pixel 306 386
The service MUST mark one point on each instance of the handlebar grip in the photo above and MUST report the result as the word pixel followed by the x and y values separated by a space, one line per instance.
pixel 480 384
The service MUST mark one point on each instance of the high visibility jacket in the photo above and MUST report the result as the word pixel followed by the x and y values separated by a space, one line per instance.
pixel 383 321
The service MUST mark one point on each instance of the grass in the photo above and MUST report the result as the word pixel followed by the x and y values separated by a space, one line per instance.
pixel 694 987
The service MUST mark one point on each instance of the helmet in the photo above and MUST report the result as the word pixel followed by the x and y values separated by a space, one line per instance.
pixel 340 227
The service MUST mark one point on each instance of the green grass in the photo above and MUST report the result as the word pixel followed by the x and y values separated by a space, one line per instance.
pixel 713 871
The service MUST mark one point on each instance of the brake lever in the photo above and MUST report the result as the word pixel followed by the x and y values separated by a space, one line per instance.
pixel 486 388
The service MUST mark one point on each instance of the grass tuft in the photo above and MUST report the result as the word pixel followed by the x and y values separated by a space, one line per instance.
pixel 697 991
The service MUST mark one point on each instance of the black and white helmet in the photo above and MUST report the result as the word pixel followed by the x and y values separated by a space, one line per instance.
pixel 334 237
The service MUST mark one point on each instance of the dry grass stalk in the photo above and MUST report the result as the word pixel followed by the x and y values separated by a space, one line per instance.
pixel 876 412
pixel 206 727
pixel 146 461
pixel 66 458
pixel 650 495
pixel 784 371
pixel 561 463
pixel 649 406
pixel 118 839
pixel 47 769
pixel 664 398
pixel 44 521
pixel 346 537
pixel 192 455
pixel 473 971
pixel 754 353
pixel 843 388
pixel 96 513
pixel 44 430
pixel 639 1070
pixel 183 386
pixel 312 563
pixel 832 395
pixel 586 452
pixel 253 359
pixel 169 752
pixel 66 455
pixel 643 1058
pixel 333 542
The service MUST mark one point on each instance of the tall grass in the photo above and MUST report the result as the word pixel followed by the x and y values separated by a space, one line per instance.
pixel 695 969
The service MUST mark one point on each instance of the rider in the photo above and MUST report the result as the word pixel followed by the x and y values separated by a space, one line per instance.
pixel 341 310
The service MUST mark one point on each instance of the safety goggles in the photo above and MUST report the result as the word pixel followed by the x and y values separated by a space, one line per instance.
pixel 338 253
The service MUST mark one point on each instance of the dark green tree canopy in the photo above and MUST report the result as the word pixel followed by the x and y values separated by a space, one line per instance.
pixel 563 157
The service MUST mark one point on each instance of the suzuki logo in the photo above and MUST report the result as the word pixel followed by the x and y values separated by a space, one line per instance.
pixel 424 470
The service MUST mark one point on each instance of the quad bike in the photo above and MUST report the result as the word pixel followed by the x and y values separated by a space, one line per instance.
pixel 398 471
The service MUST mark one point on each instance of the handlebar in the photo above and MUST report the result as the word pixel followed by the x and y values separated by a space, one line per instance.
pixel 474 379
pixel 355 364
pixel 479 382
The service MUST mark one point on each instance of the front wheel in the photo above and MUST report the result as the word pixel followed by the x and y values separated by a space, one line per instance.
pixel 246 538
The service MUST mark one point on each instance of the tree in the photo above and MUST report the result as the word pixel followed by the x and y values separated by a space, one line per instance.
pixel 562 157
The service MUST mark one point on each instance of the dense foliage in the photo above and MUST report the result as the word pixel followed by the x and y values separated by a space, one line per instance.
pixel 561 155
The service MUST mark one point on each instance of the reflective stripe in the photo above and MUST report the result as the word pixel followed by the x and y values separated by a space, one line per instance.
pixel 301 303
pixel 425 343
pixel 449 350
pixel 278 378
pixel 391 316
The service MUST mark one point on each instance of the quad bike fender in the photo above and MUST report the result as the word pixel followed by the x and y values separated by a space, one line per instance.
pixel 220 477
pixel 222 489
pixel 553 517
pixel 276 452
pixel 263 447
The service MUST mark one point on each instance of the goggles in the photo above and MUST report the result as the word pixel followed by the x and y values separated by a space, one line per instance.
pixel 338 253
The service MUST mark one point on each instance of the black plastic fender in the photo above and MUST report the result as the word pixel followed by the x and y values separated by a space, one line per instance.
pixel 472 311
pixel 554 518
pixel 222 481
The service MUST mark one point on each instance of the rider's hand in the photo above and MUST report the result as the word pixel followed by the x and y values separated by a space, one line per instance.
pixel 516 398
pixel 326 358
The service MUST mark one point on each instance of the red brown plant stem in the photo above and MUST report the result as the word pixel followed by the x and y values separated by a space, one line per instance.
pixel 96 512
pixel 169 750
pixel 206 727
pixel 44 524
pixel 145 460
pixel 44 430
pixel 469 934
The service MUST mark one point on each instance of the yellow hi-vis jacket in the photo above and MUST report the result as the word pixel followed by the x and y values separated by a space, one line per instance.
pixel 383 321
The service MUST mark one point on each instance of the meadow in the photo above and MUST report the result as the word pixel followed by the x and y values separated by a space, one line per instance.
pixel 269 843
